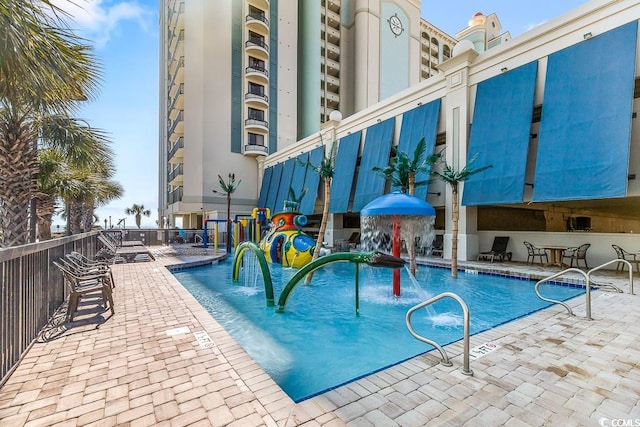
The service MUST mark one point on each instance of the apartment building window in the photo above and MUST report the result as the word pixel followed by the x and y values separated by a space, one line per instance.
pixel 256 114
pixel 256 89
pixel 256 38
pixel 256 13
pixel 255 139
pixel 256 63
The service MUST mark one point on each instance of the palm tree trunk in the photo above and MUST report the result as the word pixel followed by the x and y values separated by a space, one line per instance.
pixel 454 230
pixel 411 248
pixel 323 226
pixel 138 219
pixel 87 216
pixel 76 217
pixel 45 209
pixel 228 223
pixel 19 166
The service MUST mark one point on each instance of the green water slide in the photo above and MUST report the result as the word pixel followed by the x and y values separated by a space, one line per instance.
pixel 264 267
pixel 375 259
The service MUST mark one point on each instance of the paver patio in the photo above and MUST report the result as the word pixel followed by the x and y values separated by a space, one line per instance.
pixel 141 367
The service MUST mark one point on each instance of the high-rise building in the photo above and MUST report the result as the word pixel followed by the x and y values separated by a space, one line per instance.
pixel 243 79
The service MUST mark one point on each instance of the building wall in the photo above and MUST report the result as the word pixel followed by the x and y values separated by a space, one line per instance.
pixel 456 86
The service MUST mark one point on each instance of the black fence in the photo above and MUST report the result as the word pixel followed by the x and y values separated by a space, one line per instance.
pixel 31 290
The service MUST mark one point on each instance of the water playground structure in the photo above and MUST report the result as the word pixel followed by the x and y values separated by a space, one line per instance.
pixel 396 214
pixel 284 242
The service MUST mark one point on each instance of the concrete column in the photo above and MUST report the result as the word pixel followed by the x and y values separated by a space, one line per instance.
pixel 457 118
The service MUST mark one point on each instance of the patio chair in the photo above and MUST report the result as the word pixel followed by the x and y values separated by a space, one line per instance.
pixel 79 285
pixel 498 250
pixel 437 245
pixel 87 266
pixel 534 252
pixel 627 256
pixel 576 254
pixel 354 239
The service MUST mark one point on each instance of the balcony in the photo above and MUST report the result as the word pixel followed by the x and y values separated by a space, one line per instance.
pixel 177 126
pixel 257 47
pixel 333 97
pixel 260 73
pixel 332 34
pixel 333 67
pixel 175 196
pixel 258 22
pixel 258 98
pixel 175 177
pixel 332 17
pixel 260 4
pixel 255 150
pixel 256 124
pixel 176 151
pixel 334 5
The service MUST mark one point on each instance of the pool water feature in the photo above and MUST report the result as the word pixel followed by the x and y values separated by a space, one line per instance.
pixel 319 343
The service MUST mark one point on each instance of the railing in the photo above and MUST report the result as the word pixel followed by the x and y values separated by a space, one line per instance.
pixel 600 267
pixel 587 279
pixel 258 17
pixel 465 313
pixel 31 292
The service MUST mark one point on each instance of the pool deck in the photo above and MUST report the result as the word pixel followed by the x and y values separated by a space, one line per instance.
pixel 162 360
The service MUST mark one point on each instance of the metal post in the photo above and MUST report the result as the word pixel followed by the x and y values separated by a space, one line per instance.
pixel 395 247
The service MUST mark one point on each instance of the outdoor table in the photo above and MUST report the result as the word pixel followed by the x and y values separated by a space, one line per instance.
pixel 555 254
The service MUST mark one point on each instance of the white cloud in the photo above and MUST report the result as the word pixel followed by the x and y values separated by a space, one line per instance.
pixel 98 20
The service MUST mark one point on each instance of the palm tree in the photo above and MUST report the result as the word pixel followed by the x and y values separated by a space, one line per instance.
pixel 453 178
pixel 138 211
pixel 228 188
pixel 77 163
pixel 325 170
pixel 402 171
pixel 44 71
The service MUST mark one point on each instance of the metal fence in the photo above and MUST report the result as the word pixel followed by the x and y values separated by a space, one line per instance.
pixel 31 290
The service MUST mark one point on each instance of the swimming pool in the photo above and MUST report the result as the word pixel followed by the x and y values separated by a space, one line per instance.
pixel 319 342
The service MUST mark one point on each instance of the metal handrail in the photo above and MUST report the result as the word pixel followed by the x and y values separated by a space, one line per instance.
pixel 562 273
pixel 465 312
pixel 587 280
pixel 616 261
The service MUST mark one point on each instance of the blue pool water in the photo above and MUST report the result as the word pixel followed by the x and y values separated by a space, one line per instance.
pixel 319 342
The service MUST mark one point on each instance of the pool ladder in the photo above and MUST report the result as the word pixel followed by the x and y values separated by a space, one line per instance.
pixel 587 279
pixel 465 311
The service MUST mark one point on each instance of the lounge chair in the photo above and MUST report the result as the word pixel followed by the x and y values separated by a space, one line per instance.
pixel 498 250
pixel 576 254
pixel 534 252
pixel 627 256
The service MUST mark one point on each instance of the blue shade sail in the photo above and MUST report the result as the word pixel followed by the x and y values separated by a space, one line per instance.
pixel 500 137
pixel 274 185
pixel 299 172
pixel 344 169
pixel 264 188
pixel 285 182
pixel 585 129
pixel 311 181
pixel 375 153
pixel 421 122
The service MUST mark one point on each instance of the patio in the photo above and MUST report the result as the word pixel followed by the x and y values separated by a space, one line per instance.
pixel 142 367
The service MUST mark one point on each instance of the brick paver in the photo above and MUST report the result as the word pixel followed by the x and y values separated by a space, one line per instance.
pixel 550 369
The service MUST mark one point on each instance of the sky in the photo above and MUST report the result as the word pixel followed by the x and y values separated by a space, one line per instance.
pixel 124 34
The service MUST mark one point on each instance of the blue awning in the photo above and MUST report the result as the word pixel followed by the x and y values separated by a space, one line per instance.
pixel 375 153
pixel 311 181
pixel 500 136
pixel 585 129
pixel 421 122
pixel 274 185
pixel 264 188
pixel 299 172
pixel 344 169
pixel 285 182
